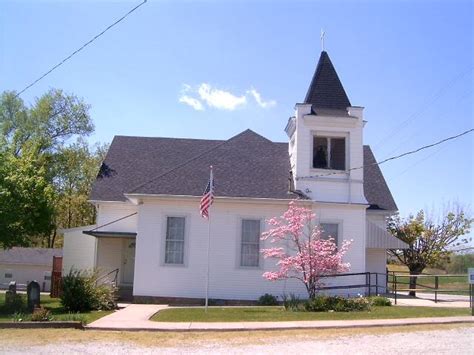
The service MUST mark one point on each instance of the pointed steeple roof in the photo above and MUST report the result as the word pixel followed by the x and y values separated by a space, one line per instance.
pixel 326 90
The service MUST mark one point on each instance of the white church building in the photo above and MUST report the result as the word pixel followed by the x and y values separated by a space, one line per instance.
pixel 148 190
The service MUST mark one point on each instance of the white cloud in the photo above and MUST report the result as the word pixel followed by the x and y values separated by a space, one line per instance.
pixel 220 99
pixel 258 98
pixel 204 94
pixel 191 101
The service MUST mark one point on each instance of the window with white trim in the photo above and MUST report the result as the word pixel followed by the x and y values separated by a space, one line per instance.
pixel 330 230
pixel 250 243
pixel 329 153
pixel 174 246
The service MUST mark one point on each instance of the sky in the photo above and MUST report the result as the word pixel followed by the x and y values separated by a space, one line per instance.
pixel 211 69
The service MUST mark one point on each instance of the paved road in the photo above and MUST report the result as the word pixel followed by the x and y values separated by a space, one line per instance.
pixel 457 341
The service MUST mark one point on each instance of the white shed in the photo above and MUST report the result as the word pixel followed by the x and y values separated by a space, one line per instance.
pixel 27 264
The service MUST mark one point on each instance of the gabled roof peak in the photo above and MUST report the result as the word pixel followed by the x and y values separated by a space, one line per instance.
pixel 249 133
pixel 326 90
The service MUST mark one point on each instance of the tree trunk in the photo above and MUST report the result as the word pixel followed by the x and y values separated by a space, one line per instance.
pixel 413 280
pixel 53 240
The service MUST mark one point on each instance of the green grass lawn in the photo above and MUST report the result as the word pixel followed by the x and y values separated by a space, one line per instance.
pixel 256 314
pixel 57 311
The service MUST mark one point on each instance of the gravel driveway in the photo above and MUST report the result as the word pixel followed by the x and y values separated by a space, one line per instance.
pixel 454 341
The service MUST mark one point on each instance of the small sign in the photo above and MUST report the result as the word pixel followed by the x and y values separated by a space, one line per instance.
pixel 470 275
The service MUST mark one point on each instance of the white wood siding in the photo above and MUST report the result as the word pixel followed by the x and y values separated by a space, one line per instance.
pixel 341 187
pixel 79 250
pixel 377 262
pixel 110 212
pixel 227 279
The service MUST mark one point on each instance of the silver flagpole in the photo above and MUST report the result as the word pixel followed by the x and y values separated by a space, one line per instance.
pixel 211 188
pixel 208 254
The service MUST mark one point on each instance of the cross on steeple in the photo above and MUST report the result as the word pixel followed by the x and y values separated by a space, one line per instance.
pixel 322 39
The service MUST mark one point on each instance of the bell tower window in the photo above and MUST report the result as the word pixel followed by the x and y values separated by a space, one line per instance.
pixel 329 153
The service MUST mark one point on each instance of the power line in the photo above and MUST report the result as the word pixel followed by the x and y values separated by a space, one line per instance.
pixel 396 129
pixel 418 163
pixel 415 133
pixel 394 157
pixel 114 221
pixel 81 48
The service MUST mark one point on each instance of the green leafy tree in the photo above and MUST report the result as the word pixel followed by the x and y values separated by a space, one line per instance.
pixel 45 130
pixel 26 200
pixel 458 264
pixel 428 241
pixel 44 127
pixel 75 169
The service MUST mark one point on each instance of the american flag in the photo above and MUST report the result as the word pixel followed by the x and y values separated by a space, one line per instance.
pixel 207 197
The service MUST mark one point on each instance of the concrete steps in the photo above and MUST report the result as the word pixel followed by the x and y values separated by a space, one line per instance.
pixel 125 293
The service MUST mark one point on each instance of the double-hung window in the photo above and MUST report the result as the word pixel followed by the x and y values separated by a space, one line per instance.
pixel 330 230
pixel 250 243
pixel 329 153
pixel 174 248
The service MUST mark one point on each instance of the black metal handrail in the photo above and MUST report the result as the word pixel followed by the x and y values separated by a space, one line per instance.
pixel 367 285
pixel 114 280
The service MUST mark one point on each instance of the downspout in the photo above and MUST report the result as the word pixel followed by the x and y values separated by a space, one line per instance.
pixel 96 244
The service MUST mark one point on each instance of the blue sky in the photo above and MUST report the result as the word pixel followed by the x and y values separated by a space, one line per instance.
pixel 409 63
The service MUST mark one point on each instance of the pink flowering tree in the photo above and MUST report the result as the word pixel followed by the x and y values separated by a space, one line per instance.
pixel 302 253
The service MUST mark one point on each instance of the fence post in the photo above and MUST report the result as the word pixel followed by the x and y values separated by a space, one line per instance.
pixel 470 296
pixel 395 286
pixel 377 283
pixel 436 289
pixel 367 281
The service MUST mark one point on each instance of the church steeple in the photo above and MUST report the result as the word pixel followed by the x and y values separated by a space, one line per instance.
pixel 326 141
pixel 326 90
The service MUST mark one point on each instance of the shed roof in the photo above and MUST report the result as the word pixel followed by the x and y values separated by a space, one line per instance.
pixel 29 256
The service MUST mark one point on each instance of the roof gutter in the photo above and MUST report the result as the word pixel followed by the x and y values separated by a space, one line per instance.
pixel 110 234
pixel 138 198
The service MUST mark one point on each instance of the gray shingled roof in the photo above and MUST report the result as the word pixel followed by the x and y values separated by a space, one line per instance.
pixel 246 165
pixel 376 190
pixel 29 256
pixel 326 90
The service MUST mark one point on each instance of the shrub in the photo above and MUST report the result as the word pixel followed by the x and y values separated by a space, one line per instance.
pixel 337 304
pixel 81 292
pixel 20 317
pixel 267 300
pixel 104 298
pixel 291 302
pixel 318 304
pixel 358 304
pixel 41 315
pixel 380 301
pixel 14 303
